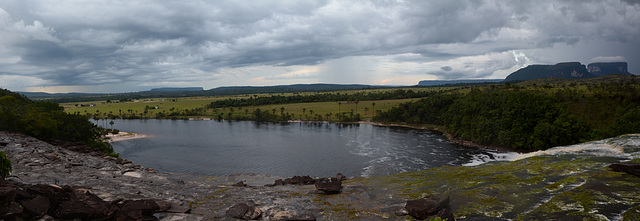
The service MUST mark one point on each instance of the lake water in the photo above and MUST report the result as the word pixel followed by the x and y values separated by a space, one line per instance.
pixel 216 148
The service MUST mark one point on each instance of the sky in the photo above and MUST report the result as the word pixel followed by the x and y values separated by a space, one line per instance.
pixel 109 46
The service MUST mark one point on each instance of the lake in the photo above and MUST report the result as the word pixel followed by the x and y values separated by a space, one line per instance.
pixel 215 148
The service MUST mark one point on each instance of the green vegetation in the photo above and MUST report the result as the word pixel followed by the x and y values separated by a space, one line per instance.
pixel 343 106
pixel 47 121
pixel 536 188
pixel 5 165
pixel 530 117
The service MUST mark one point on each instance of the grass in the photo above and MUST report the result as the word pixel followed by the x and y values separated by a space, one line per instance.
pixel 301 111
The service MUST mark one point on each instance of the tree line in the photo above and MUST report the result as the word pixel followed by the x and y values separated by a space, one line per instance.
pixel 529 118
pixel 318 97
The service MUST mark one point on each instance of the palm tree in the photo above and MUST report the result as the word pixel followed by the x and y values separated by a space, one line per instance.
pixel 373 104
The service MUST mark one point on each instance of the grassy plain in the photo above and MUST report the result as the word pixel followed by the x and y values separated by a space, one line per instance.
pixel 300 110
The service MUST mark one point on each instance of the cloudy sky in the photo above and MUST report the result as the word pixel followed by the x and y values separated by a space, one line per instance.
pixel 125 46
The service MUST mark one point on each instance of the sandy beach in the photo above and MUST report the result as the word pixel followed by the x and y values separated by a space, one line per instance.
pixel 122 136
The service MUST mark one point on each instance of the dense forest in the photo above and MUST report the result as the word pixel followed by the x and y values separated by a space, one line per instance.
pixel 530 117
pixel 47 121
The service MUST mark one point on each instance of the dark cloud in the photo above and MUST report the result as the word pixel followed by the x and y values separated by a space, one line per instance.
pixel 90 43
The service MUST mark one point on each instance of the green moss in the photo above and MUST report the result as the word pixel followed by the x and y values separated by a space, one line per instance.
pixel 632 214
pixel 208 199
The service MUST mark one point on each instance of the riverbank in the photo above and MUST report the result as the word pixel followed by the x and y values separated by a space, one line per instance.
pixel 449 136
pixel 122 136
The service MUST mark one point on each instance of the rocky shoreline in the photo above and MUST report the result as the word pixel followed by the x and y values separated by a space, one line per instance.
pixel 208 198
pixel 537 188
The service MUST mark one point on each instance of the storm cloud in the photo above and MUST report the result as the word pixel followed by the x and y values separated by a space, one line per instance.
pixel 116 46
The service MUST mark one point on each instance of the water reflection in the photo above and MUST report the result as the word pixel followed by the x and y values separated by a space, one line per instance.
pixel 286 149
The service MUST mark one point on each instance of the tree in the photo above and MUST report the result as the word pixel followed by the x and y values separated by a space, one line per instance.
pixel 373 105
pixel 357 101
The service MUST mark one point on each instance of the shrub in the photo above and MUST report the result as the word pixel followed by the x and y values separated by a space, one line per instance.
pixel 5 165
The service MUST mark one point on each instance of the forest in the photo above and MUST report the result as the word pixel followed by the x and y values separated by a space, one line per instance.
pixel 529 116
pixel 48 121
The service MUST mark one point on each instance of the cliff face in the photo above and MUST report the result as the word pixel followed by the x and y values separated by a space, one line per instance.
pixel 572 70
pixel 602 68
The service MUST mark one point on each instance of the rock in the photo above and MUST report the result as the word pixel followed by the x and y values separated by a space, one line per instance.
pixel 341 177
pixel 122 161
pixel 278 182
pixel 299 180
pixel 78 203
pixel 36 207
pixel 627 167
pixel 244 211
pixel 7 195
pixel 137 209
pixel 240 184
pixel 238 210
pixel 52 156
pixel 402 212
pixel 303 217
pixel 172 208
pixel 11 211
pixel 445 214
pixel 427 206
pixel 329 186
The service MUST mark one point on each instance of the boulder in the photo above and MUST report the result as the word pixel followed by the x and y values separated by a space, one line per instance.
pixel 427 206
pixel 341 177
pixel 79 203
pixel 36 207
pixel 244 211
pixel 329 186
pixel 627 167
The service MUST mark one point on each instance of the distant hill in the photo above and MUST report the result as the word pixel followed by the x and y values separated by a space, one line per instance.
pixel 44 95
pixel 602 68
pixel 449 82
pixel 168 89
pixel 196 91
pixel 233 90
pixel 571 70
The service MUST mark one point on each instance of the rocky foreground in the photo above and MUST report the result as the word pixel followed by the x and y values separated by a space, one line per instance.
pixel 590 184
pixel 42 167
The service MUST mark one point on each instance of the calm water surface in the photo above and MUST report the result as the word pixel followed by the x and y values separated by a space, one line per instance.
pixel 216 148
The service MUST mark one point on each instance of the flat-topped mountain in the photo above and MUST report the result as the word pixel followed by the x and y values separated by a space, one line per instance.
pixel 606 68
pixel 560 70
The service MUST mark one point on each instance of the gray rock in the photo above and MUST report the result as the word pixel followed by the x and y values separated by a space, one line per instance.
pixel 427 206
pixel 244 211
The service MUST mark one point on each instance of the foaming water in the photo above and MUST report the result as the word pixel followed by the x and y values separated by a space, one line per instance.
pixel 625 147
